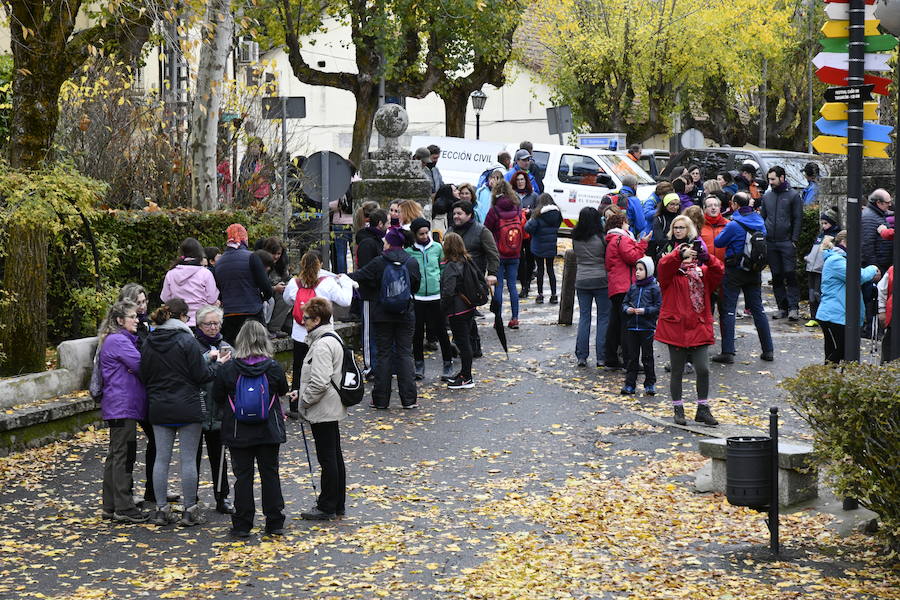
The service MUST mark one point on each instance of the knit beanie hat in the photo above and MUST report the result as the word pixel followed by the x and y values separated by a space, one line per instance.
pixel 648 265
pixel 671 198
pixel 831 216
pixel 394 237
pixel 236 233
pixel 418 223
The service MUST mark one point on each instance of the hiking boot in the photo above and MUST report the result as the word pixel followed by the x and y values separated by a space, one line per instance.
pixel 627 390
pixel 420 370
pixel 459 382
pixel 679 416
pixel 767 356
pixel 107 515
pixel 725 358
pixel 539 299
pixel 513 324
pixel 163 516
pixel 315 514
pixel 793 315
pixel 224 507
pixel 554 299
pixel 447 375
pixel 704 415
pixel 811 323
pixel 192 516
pixel 132 515
pixel 780 314
pixel 649 390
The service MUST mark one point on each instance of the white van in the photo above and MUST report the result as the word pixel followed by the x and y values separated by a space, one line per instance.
pixel 575 177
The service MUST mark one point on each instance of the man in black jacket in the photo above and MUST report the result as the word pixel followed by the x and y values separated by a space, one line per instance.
pixel 243 283
pixel 782 209
pixel 393 330
pixel 875 250
pixel 369 245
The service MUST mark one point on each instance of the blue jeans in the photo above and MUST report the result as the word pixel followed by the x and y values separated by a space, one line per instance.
pixel 343 235
pixel 509 270
pixel 737 281
pixel 586 299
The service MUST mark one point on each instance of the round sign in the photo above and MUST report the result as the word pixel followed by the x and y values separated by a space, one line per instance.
pixel 339 175
pixel 692 138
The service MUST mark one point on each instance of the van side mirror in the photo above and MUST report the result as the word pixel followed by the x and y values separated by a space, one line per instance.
pixel 604 180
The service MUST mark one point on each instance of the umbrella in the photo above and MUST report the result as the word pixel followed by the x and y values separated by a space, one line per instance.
pixel 498 322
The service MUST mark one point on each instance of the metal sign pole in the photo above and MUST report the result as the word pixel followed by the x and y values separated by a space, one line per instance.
pixel 326 229
pixel 558 117
pixel 284 156
pixel 774 543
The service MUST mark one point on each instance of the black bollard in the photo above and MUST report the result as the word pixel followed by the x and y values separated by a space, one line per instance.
pixel 567 289
pixel 773 503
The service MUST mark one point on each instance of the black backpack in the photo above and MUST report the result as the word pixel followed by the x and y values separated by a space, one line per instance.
pixel 754 256
pixel 475 290
pixel 352 388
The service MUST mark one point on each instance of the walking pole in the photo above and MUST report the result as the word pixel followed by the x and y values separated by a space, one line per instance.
pixel 221 471
pixel 312 478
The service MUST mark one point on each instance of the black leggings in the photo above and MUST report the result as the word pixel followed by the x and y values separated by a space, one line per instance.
pixel 461 326
pixel 699 357
pixel 545 262
pixel 834 341
pixel 428 313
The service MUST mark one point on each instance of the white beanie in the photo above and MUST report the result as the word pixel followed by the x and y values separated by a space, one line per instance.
pixel 648 264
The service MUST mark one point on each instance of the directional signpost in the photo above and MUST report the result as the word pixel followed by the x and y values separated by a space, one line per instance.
pixel 846 94
pixel 840 60
pixel 837 111
pixel 874 43
pixel 837 29
pixel 839 77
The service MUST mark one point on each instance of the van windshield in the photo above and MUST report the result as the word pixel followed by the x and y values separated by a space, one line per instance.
pixel 623 166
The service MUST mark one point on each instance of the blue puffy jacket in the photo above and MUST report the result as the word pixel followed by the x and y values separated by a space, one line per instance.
pixel 833 306
pixel 733 237
pixel 544 229
pixel 642 294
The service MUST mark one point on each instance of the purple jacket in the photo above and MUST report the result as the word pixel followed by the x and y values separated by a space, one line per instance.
pixel 124 396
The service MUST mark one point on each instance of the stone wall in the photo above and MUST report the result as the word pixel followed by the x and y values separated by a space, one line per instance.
pixel 877 173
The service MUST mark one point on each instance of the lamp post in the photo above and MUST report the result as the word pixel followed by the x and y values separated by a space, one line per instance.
pixel 478 100
pixel 888 11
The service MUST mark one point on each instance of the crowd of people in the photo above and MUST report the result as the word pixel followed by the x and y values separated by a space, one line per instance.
pixel 200 367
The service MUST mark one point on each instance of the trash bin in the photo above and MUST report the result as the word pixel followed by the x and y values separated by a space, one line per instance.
pixel 748 468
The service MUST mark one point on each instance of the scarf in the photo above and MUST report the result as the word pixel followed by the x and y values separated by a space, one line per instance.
pixel 207 341
pixel 696 289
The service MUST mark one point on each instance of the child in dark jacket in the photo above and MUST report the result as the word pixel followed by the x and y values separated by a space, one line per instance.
pixel 641 308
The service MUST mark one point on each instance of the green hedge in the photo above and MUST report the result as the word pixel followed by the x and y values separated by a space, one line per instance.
pixel 133 246
pixel 808 232
pixel 854 412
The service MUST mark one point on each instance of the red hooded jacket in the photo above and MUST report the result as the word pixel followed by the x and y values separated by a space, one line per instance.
pixel 712 228
pixel 679 324
pixel 622 253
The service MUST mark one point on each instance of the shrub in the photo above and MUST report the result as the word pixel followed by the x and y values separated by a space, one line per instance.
pixel 808 232
pixel 854 412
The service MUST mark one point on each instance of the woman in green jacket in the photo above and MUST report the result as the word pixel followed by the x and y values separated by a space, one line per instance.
pixel 429 254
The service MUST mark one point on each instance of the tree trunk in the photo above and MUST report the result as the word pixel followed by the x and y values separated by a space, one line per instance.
pixel 366 105
pixel 205 112
pixel 23 336
pixel 455 103
pixel 35 113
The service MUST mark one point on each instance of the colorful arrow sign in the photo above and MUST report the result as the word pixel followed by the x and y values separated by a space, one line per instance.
pixel 841 60
pixel 872 132
pixel 837 111
pixel 846 1
pixel 834 76
pixel 837 29
pixel 841 12
pixel 830 144
pixel 874 43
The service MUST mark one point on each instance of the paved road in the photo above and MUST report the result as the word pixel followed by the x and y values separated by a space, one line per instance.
pixel 541 482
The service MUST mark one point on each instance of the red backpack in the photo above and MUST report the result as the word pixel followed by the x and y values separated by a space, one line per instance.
pixel 304 295
pixel 510 235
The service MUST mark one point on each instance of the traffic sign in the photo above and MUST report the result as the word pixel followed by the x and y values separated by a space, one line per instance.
pixel 830 144
pixel 841 12
pixel 837 111
pixel 846 94
pixel 874 43
pixel 872 132
pixel 841 60
pixel 834 76
pixel 274 107
pixel 837 29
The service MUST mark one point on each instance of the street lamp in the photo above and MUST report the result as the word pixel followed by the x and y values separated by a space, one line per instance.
pixel 888 11
pixel 478 100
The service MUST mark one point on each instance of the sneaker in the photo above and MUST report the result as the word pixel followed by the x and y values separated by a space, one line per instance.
pixel 523 294
pixel 679 416
pixel 725 358
pixel 315 514
pixel 582 363
pixel 627 390
pixel 192 516
pixel 704 415
pixel 514 324
pixel 554 299
pixel 278 531
pixel 163 516
pixel 780 314
pixel 458 383
pixel 107 515
pixel 793 315
pixel 767 356
pixel 238 533
pixel 649 390
pixel 224 507
pixel 376 407
pixel 539 299
pixel 811 323
pixel 131 516
pixel 420 370
pixel 447 375
pixel 411 406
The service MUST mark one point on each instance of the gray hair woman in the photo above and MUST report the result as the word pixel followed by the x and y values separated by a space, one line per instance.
pixel 251 443
pixel 137 294
pixel 209 334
